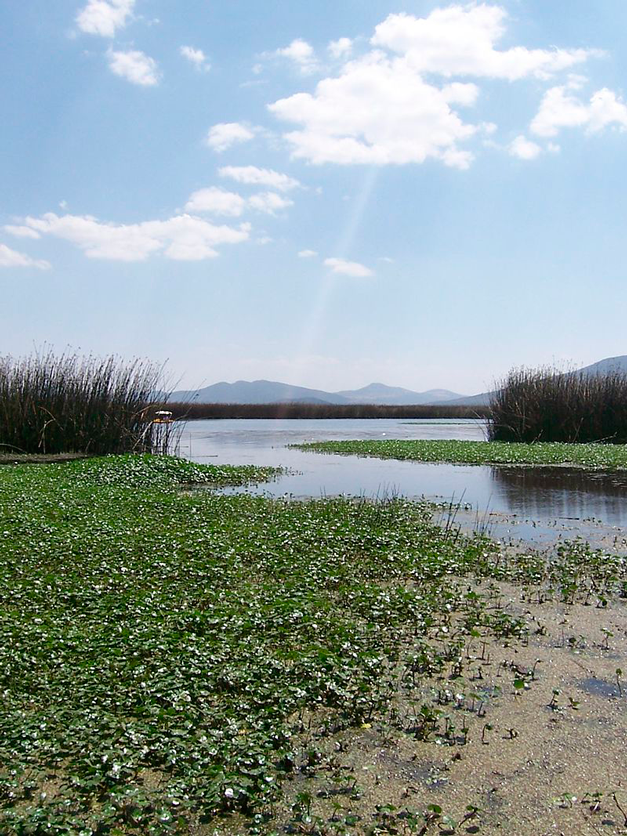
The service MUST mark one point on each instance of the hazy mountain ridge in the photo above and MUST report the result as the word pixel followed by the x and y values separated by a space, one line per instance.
pixel 605 366
pixel 379 393
pixel 270 391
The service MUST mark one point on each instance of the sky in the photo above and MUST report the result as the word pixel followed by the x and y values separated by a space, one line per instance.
pixel 420 193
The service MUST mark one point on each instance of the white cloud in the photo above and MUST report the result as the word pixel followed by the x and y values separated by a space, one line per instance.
pixel 348 268
pixel 269 202
pixel 341 48
pixel 103 17
pixel 302 54
pixel 377 111
pixel 389 106
pixel 222 136
pixel 21 231
pixel 134 66
pixel 11 258
pixel 307 253
pixel 182 237
pixel 559 109
pixel 524 149
pixel 460 40
pixel 196 57
pixel 250 174
pixel 263 240
pixel 460 93
pixel 217 201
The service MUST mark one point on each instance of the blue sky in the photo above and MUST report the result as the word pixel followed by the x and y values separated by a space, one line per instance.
pixel 419 193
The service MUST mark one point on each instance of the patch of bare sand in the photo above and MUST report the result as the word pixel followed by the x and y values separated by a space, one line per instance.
pixel 545 730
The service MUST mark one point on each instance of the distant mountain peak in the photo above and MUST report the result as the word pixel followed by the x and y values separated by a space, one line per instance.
pixel 272 391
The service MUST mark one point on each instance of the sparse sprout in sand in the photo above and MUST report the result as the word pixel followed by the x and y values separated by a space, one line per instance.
pixel 606 641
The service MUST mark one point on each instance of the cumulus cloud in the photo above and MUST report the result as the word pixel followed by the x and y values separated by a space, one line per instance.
pixel 341 48
pixel 269 202
pixel 196 57
pixel 251 175
pixel 302 54
pixel 225 134
pixel 21 231
pixel 216 201
pixel 460 40
pixel 182 237
pixel 377 111
pixel 307 253
pixel 11 258
pixel 524 149
pixel 398 103
pixel 560 108
pixel 348 268
pixel 104 17
pixel 134 66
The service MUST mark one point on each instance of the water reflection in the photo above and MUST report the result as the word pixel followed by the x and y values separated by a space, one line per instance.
pixel 531 499
pixel 562 493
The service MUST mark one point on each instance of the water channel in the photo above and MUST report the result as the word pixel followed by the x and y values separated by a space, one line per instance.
pixel 537 504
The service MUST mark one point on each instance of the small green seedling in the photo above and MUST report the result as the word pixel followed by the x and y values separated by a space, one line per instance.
pixel 594 800
pixel 519 686
pixel 566 799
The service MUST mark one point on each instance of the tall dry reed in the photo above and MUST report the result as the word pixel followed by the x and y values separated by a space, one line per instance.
pixel 547 405
pixel 66 403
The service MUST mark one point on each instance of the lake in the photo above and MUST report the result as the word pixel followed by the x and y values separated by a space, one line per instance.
pixel 538 504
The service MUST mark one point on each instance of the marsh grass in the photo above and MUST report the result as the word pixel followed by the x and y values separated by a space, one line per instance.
pixel 547 405
pixel 168 656
pixel 66 403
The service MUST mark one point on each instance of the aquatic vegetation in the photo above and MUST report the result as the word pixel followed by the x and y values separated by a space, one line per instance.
pixel 66 403
pixel 166 653
pixel 547 405
pixel 594 456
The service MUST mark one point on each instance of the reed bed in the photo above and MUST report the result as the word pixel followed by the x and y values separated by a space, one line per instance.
pixel 68 403
pixel 196 411
pixel 546 405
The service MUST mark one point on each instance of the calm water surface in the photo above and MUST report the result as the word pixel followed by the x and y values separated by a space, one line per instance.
pixel 538 504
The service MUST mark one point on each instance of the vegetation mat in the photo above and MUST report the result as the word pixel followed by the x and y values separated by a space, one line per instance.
pixel 177 661
pixel 595 456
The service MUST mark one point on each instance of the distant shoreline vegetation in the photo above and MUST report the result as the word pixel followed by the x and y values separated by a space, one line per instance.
pixel 547 405
pixel 212 411
pixel 58 404
pixel 593 456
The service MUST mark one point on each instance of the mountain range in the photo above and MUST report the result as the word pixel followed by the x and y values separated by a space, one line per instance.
pixel 609 364
pixel 270 391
